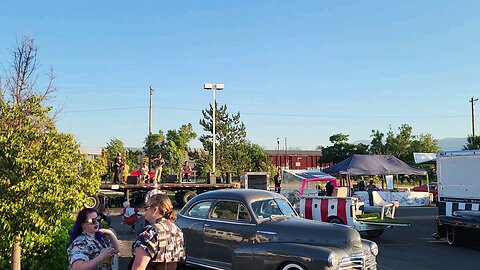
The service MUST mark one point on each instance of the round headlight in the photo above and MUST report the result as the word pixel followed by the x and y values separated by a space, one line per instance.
pixel 374 248
pixel 333 259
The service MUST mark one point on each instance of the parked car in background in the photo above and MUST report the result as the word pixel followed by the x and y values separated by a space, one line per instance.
pixel 257 229
pixel 433 189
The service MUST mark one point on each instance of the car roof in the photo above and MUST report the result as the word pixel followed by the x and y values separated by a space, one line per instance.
pixel 247 195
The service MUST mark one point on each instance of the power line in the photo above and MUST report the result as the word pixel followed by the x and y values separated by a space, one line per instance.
pixel 278 114
pixel 355 117
pixel 103 110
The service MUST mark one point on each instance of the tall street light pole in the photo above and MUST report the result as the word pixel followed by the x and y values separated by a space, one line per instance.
pixel 150 112
pixel 213 87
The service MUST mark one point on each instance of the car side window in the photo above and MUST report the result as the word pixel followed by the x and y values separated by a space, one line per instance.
pixel 243 214
pixel 230 210
pixel 199 210
pixel 266 208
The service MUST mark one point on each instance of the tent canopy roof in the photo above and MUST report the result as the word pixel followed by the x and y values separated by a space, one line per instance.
pixel 373 165
pixel 311 175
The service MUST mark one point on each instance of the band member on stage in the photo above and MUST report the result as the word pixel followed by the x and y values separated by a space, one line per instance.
pixel 117 168
pixel 186 171
pixel 158 163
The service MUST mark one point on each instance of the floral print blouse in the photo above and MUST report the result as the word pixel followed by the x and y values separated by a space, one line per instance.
pixel 86 248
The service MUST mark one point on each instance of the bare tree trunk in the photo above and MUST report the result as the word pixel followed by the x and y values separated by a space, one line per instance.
pixel 16 251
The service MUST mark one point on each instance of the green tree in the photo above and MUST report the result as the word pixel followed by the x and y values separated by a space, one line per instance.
pixel 114 147
pixel 473 143
pixel 398 144
pixel 403 144
pixel 175 148
pixel 257 159
pixel 424 143
pixel 341 149
pixel 43 177
pixel 234 153
pixel 153 144
pixel 377 147
pixel 230 134
pixel 132 159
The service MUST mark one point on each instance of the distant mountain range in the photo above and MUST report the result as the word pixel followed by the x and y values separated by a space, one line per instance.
pixel 446 144
pixel 450 144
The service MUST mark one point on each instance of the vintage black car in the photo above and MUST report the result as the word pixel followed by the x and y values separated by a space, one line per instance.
pixel 463 227
pixel 257 229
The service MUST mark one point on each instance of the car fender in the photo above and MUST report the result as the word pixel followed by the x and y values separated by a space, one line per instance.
pixel 270 255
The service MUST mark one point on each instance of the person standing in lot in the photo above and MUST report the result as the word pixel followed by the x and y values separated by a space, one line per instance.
pixel 161 244
pixel 329 188
pixel 104 215
pixel 277 182
pixel 370 188
pixel 91 247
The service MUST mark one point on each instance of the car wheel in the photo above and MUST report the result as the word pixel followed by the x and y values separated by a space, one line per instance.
pixel 92 202
pixel 187 196
pixel 375 233
pixel 292 266
pixel 178 197
pixel 336 221
pixel 454 236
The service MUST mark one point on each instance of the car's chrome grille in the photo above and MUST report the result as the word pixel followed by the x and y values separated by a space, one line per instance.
pixel 359 261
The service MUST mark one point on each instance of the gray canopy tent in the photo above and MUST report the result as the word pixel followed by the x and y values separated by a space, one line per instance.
pixel 373 165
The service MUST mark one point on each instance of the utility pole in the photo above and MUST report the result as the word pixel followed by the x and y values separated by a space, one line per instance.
pixel 286 155
pixel 150 113
pixel 473 100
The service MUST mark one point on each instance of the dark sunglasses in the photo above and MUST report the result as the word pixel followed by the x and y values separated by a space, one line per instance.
pixel 93 220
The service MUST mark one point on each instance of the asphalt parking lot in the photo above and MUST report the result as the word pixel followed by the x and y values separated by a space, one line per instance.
pixel 414 248
pixel 400 248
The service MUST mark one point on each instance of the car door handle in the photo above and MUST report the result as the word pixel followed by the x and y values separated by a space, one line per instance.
pixel 207 225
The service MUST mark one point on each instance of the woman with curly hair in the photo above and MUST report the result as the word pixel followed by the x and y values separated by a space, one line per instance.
pixel 161 244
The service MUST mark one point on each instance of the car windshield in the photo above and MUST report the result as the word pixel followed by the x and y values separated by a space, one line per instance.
pixel 272 208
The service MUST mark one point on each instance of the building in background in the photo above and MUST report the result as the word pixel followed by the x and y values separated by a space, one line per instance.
pixel 296 159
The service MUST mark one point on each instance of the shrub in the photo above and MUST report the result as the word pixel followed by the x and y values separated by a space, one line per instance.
pixel 44 256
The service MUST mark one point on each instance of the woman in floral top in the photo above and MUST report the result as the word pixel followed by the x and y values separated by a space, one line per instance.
pixel 90 247
pixel 160 245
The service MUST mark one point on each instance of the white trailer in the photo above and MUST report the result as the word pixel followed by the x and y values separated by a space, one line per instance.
pixel 458 183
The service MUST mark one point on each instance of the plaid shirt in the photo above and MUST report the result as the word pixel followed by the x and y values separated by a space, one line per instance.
pixel 86 248
pixel 163 241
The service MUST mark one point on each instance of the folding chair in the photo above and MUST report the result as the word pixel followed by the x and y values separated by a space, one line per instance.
pixel 379 205
pixel 130 217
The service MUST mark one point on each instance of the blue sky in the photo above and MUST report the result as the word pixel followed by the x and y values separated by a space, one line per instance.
pixel 304 70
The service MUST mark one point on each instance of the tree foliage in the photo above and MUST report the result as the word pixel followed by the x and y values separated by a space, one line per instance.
pixel 473 143
pixel 176 147
pixel 116 146
pixel 230 134
pixel 153 144
pixel 234 153
pixel 377 147
pixel 341 149
pixel 43 177
pixel 173 146
pixel 403 143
